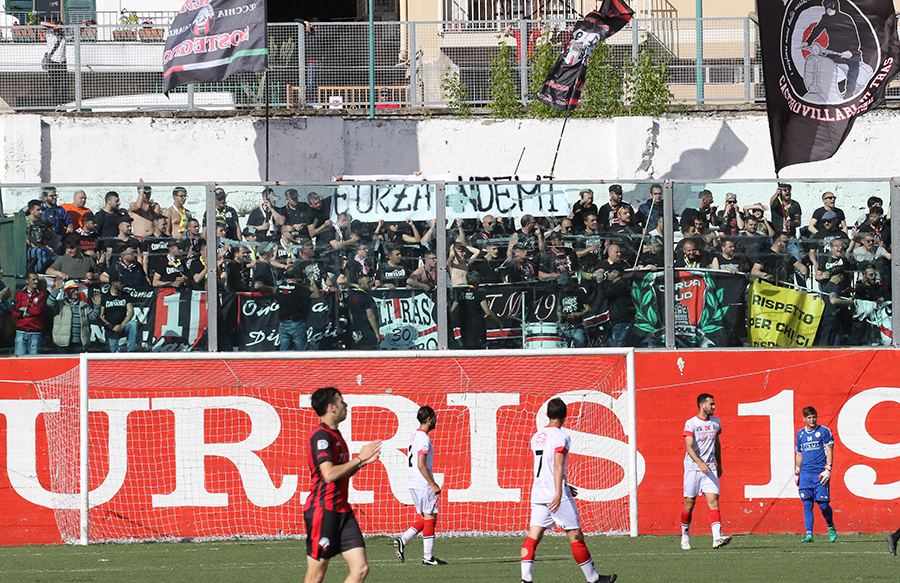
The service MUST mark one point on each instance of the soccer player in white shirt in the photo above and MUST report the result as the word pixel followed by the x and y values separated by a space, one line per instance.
pixel 424 490
pixel 702 469
pixel 552 499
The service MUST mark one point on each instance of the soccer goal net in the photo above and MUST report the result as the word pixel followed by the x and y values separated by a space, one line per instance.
pixel 205 446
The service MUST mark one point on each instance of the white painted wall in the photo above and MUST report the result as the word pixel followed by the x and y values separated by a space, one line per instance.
pixel 732 147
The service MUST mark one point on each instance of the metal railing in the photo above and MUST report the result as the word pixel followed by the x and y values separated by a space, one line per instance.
pixel 118 67
pixel 101 18
pixel 521 271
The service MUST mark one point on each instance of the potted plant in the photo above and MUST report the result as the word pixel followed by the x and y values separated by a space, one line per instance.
pixel 124 34
pixel 150 32
pixel 28 34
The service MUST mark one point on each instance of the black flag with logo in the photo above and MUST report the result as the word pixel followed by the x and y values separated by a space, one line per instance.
pixel 564 84
pixel 825 62
pixel 210 40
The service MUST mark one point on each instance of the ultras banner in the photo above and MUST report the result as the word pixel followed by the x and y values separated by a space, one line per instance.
pixel 709 306
pixel 564 84
pixel 210 40
pixel 782 317
pixel 825 62
pixel 168 320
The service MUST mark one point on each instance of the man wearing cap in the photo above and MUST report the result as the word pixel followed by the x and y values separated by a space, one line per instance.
pixel 143 211
pixel 225 214
pixel 72 318
pixel 169 270
pixel 73 264
pixel 117 315
pixel 77 209
pixel 730 219
pixel 87 234
pixel 828 205
pixel 608 214
pixel 294 212
pixel 128 269
pixel 706 209
pixel 786 215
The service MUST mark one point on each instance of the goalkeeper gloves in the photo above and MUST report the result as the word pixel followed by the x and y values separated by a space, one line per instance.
pixel 825 476
pixel 797 475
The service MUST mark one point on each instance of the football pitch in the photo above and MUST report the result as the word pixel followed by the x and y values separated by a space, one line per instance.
pixel 646 559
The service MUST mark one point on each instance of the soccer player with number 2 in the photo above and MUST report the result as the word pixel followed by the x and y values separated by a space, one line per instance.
pixel 422 487
pixel 552 499
pixel 815 454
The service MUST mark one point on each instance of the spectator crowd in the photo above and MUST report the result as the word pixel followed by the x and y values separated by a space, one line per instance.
pixel 84 266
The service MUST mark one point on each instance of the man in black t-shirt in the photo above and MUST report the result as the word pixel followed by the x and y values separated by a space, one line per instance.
pixel 117 315
pixel 489 264
pixel 364 315
pixel 572 310
pixel 227 215
pixel 392 274
pixel 471 308
pixel 169 270
pixel 776 265
pixel 293 296
pixel 128 269
pixel 608 214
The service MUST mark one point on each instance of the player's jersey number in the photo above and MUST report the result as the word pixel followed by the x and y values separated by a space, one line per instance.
pixel 538 462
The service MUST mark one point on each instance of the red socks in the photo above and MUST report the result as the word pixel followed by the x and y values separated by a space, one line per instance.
pixel 419 524
pixel 428 530
pixel 715 516
pixel 529 545
pixel 580 552
pixel 686 517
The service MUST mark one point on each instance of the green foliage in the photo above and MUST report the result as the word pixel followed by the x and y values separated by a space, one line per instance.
pixel 128 17
pixel 647 84
pixel 455 94
pixel 542 60
pixel 604 86
pixel 33 19
pixel 504 89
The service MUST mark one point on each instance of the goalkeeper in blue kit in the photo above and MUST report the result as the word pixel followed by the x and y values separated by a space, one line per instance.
pixel 815 454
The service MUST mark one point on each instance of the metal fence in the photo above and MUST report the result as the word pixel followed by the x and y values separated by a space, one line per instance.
pixel 119 67
pixel 447 230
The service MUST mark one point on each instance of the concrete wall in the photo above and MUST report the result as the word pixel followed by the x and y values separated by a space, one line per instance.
pixel 727 146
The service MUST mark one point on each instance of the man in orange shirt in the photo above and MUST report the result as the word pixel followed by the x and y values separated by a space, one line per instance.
pixel 77 209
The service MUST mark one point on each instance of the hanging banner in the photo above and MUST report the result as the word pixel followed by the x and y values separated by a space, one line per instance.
pixel 778 316
pixel 564 84
pixel 825 63
pixel 210 40
pixel 708 308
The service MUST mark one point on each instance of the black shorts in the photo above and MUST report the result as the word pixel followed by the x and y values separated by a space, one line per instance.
pixel 329 533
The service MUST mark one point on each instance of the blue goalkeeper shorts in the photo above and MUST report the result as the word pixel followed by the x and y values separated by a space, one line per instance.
pixel 812 489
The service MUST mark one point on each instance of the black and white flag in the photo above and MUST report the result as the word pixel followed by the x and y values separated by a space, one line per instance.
pixel 210 40
pixel 825 62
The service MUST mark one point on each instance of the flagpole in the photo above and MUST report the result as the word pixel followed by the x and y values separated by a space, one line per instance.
pixel 563 130
pixel 266 77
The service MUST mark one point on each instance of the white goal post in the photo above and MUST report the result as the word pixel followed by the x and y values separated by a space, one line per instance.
pixel 210 445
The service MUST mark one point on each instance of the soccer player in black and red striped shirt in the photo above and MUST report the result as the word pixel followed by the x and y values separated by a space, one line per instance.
pixel 331 527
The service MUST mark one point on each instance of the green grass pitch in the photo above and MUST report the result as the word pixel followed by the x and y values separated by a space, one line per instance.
pixel 646 559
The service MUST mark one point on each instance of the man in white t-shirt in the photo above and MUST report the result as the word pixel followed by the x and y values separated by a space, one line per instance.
pixel 424 490
pixel 702 469
pixel 552 499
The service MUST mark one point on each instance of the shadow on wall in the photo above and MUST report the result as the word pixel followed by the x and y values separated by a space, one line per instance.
pixel 316 149
pixel 726 152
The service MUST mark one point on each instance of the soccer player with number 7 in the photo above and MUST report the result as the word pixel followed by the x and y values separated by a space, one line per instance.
pixel 815 454
pixel 423 489
pixel 553 500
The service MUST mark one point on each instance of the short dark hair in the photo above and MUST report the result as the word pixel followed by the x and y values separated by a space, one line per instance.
pixel 655 185
pixel 873 200
pixel 323 397
pixel 473 278
pixel 34 203
pixel 111 194
pixel 810 411
pixel 702 398
pixel 48 190
pixel 726 239
pixel 313 196
pixel 73 241
pixel 556 409
pixel 178 189
pixel 425 413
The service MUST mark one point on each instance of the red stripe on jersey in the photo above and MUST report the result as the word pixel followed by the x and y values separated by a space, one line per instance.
pixel 686 433
pixel 423 452
pixel 316 533
pixel 331 496
pixel 562 449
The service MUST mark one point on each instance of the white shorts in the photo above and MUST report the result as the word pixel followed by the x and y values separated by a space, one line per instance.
pixel 425 501
pixel 566 516
pixel 696 482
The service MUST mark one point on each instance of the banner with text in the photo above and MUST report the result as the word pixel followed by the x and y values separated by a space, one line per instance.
pixel 778 316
